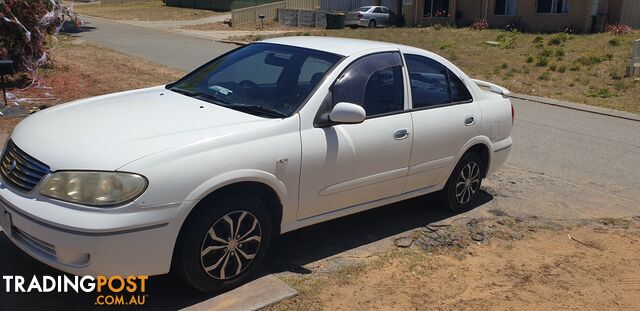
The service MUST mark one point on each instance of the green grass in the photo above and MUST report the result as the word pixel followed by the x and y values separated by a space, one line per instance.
pixel 599 61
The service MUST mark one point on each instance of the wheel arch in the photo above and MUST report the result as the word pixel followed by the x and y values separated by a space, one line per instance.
pixel 480 145
pixel 268 191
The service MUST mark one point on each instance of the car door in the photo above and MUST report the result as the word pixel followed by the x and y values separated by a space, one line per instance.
pixel 380 17
pixel 350 164
pixel 388 17
pixel 445 118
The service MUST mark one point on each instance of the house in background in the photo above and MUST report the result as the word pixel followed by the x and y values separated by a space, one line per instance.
pixel 533 15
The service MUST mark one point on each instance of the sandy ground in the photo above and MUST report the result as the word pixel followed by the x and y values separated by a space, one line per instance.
pixel 512 251
pixel 517 265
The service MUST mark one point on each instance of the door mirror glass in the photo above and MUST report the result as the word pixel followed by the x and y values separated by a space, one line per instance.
pixel 347 113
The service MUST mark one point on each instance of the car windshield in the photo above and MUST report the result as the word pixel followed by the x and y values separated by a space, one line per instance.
pixel 268 80
pixel 364 8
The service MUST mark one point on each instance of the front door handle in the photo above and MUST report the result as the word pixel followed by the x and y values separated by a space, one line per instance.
pixel 401 134
pixel 470 120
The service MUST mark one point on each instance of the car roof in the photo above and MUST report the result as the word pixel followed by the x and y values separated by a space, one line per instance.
pixel 341 46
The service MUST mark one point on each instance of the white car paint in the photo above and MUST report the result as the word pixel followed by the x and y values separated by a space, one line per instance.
pixel 187 150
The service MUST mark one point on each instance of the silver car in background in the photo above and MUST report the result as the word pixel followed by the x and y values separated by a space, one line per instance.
pixel 370 16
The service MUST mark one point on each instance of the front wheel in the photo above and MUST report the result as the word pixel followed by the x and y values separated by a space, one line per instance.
pixel 223 243
pixel 464 183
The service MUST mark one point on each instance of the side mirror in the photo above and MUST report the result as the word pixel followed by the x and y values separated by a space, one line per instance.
pixel 347 113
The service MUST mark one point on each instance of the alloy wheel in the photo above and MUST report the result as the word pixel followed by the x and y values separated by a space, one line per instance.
pixel 468 182
pixel 230 245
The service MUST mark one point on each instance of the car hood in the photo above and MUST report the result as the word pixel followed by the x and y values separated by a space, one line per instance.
pixel 107 132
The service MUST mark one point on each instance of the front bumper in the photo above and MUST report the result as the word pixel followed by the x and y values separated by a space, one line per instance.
pixel 84 242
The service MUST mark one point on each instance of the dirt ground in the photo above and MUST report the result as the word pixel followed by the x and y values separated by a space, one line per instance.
pixel 498 263
pixel 531 242
pixel 80 70
pixel 141 11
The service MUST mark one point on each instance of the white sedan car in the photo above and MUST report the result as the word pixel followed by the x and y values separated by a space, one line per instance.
pixel 197 176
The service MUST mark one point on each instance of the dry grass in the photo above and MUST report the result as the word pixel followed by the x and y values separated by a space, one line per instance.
pixel 586 69
pixel 82 70
pixel 153 10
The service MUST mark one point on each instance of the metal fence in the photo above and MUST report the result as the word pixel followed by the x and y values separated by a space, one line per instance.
pixel 631 13
pixel 634 68
pixel 350 5
pixel 303 4
pixel 250 15
pixel 302 18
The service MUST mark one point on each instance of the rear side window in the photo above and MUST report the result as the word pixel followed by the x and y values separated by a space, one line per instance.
pixel 432 84
pixel 375 82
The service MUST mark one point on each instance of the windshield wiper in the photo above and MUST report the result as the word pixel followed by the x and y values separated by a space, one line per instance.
pixel 204 96
pixel 259 109
pixel 263 110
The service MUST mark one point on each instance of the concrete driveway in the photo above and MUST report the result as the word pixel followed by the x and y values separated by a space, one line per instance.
pixel 564 164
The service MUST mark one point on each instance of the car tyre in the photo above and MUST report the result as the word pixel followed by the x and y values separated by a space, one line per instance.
pixel 372 23
pixel 223 243
pixel 464 183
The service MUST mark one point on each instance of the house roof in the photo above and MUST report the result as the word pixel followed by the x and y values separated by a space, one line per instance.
pixel 341 46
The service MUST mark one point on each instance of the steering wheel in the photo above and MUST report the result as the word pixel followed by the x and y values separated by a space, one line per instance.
pixel 254 87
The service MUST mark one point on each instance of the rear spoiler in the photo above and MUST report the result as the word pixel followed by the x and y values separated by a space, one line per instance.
pixel 492 87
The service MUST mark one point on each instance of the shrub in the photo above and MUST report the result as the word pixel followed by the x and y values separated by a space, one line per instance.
pixel 546 53
pixel 600 93
pixel 538 39
pixel 562 69
pixel 479 24
pixel 558 39
pixel 560 53
pixel 615 42
pixel 574 67
pixel 553 67
pixel 24 28
pixel 543 61
pixel 588 60
pixel 618 29
pixel 512 39
pixel 530 59
pixel 545 76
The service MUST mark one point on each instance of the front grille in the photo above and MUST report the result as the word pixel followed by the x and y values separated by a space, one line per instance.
pixel 21 170
pixel 34 243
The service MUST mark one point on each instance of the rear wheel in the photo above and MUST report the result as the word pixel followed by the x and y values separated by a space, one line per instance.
pixel 223 243
pixel 464 183
pixel 372 23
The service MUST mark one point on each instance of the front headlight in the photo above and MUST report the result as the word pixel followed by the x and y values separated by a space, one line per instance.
pixel 94 188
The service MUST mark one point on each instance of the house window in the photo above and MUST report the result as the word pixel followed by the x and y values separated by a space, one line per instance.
pixel 506 7
pixel 436 8
pixel 553 6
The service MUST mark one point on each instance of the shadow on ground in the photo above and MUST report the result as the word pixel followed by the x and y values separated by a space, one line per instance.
pixel 289 252
pixel 71 28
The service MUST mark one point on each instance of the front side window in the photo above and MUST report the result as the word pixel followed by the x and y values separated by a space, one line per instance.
pixel 553 6
pixel 506 7
pixel 264 79
pixel 436 8
pixel 374 82
pixel 432 84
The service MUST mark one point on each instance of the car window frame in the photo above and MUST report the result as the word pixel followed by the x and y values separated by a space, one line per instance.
pixel 403 65
pixel 449 71
pixel 303 103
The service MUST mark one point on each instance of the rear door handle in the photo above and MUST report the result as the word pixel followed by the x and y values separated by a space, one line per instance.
pixel 401 134
pixel 470 120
